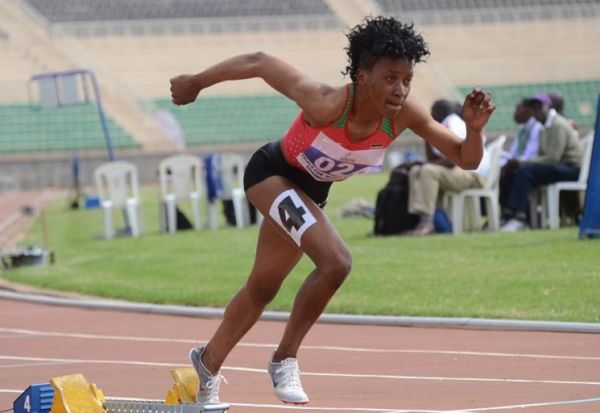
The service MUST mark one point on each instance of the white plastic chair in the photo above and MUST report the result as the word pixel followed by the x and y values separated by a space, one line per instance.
pixel 489 193
pixel 550 194
pixel 231 171
pixel 232 177
pixel 118 188
pixel 180 179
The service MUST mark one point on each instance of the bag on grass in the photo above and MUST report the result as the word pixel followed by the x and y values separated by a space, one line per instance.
pixel 391 208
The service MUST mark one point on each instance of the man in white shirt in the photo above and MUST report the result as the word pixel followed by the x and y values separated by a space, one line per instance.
pixel 439 174
pixel 525 144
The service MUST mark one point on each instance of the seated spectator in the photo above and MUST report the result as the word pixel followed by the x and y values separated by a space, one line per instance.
pixel 438 173
pixel 525 144
pixel 558 159
pixel 569 200
pixel 558 103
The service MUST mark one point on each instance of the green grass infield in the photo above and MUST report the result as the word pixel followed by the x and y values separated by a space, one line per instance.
pixel 534 275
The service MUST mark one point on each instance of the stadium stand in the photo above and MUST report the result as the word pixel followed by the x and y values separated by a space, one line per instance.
pixel 208 121
pixel 94 10
pixel 140 17
pixel 581 97
pixel 487 11
pixel 45 131
pixel 514 48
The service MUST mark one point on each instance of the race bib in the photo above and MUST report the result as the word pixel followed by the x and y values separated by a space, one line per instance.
pixel 292 214
pixel 326 160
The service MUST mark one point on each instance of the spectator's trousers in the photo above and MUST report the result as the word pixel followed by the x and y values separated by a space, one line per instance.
pixel 428 180
pixel 516 186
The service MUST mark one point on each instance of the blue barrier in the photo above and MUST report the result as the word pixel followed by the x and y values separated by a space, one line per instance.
pixel 590 223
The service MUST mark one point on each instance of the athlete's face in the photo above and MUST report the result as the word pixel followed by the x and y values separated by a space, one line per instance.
pixel 387 84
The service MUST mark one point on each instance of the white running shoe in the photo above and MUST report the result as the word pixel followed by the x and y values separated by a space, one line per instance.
pixel 514 225
pixel 286 380
pixel 208 392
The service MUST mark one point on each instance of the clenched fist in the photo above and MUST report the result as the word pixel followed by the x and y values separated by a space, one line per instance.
pixel 184 89
pixel 478 108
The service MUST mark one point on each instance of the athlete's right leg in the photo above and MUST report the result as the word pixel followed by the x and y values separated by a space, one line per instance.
pixel 275 257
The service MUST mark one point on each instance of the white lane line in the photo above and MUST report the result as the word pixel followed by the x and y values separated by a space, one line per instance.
pixel 453 352
pixel 304 347
pixel 524 406
pixel 38 364
pixel 379 410
pixel 429 378
pixel 305 373
pixel 335 409
pixel 15 336
pixel 11 391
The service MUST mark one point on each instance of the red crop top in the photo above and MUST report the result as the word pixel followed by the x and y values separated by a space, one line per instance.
pixel 328 154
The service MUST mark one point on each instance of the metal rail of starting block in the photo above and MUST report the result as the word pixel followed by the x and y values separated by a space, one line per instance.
pixel 118 405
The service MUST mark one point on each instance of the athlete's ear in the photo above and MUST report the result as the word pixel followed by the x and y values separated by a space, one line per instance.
pixel 360 76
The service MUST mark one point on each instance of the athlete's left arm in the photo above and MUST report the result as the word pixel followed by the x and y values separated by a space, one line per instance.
pixel 477 109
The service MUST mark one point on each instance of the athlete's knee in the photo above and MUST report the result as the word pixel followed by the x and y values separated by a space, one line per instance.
pixel 262 292
pixel 336 268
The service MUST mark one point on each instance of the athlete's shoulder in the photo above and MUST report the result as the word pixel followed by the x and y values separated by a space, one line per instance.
pixel 413 113
pixel 329 106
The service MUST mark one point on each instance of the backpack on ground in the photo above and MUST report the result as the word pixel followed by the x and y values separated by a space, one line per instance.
pixel 391 208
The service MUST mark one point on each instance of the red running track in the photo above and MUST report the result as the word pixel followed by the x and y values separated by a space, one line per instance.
pixel 344 368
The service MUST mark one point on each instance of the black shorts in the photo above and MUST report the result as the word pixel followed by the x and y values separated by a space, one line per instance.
pixel 269 161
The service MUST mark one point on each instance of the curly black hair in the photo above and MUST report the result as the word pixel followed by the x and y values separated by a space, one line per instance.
pixel 380 37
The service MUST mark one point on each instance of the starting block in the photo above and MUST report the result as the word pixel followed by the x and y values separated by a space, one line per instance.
pixel 155 406
pixel 184 389
pixel 73 394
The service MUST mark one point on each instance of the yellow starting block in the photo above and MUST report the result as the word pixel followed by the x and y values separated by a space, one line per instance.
pixel 73 394
pixel 184 389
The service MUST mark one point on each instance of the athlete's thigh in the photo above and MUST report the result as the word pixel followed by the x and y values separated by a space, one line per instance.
pixel 296 218
pixel 275 257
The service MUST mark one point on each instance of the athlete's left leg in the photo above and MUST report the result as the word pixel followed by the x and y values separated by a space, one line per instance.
pixel 326 249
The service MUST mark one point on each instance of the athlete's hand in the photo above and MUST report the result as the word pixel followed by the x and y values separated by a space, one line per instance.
pixel 478 109
pixel 184 89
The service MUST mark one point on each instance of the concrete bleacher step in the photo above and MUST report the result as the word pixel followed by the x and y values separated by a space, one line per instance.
pixel 44 53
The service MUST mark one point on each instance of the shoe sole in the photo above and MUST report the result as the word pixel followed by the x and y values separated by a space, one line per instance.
pixel 289 402
pixel 295 403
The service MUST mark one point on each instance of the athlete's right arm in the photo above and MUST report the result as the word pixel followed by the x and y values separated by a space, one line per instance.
pixel 320 102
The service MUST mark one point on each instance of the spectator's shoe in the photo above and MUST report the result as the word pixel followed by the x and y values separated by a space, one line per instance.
pixel 514 225
pixel 286 380
pixel 208 392
pixel 422 230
